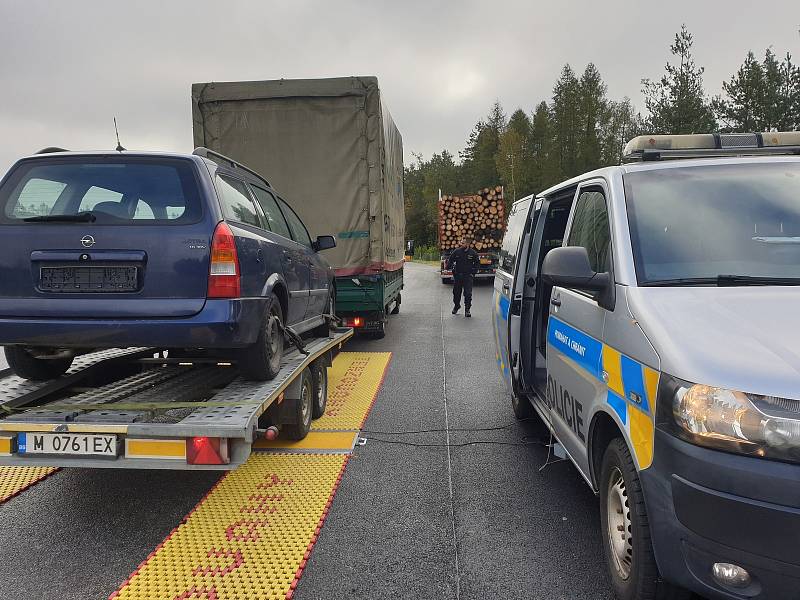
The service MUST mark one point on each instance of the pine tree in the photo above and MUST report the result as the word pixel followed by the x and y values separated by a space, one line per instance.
pixel 565 117
pixel 514 157
pixel 478 158
pixel 543 169
pixel 677 102
pixel 594 115
pixel 743 108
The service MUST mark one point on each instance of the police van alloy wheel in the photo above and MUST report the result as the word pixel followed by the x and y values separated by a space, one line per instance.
pixel 626 531
pixel 27 365
pixel 262 360
pixel 302 408
pixel 319 375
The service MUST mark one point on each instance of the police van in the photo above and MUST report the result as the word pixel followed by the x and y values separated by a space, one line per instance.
pixel 649 314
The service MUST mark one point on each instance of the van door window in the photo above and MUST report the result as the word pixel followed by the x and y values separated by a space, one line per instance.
pixel 236 202
pixel 590 229
pixel 516 225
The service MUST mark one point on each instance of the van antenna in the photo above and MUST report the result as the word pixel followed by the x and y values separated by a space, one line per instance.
pixel 119 146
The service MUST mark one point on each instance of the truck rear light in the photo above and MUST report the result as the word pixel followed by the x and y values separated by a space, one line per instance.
pixel 224 278
pixel 353 322
pixel 207 451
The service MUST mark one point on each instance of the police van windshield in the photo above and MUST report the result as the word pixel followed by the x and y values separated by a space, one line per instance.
pixel 730 224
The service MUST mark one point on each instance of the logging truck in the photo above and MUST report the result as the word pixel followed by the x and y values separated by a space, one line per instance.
pixel 481 217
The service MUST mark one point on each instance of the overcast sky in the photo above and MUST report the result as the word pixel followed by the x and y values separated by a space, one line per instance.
pixel 68 67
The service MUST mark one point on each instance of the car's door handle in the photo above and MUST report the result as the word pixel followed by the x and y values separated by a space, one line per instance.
pixel 555 301
pixel 259 255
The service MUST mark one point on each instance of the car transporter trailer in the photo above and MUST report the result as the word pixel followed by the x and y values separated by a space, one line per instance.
pixel 139 409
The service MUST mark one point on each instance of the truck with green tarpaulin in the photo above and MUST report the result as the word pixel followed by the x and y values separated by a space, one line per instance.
pixel 331 148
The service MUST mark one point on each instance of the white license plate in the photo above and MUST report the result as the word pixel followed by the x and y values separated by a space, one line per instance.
pixel 71 444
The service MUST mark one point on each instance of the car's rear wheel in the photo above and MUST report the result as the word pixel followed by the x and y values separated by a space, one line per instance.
pixel 262 360
pixel 35 367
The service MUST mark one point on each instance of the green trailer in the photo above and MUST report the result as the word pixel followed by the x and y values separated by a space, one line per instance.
pixel 331 148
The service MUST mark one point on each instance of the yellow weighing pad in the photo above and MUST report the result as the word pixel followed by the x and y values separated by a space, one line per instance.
pixel 14 480
pixel 251 536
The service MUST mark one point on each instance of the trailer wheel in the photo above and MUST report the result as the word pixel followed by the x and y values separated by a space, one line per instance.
pixel 319 376
pixel 262 360
pixel 302 407
pixel 626 530
pixel 379 333
pixel 396 309
pixel 26 365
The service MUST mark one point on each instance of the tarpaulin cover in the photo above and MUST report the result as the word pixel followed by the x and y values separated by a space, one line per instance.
pixel 328 146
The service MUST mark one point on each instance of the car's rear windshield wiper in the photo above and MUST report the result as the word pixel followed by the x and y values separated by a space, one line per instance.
pixel 724 280
pixel 81 217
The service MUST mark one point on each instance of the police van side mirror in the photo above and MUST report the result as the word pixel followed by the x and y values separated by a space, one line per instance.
pixel 569 267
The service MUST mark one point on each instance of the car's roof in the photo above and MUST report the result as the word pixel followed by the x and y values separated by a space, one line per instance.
pixel 91 153
pixel 608 172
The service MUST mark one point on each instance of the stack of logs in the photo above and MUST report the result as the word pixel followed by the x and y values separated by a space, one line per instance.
pixel 481 217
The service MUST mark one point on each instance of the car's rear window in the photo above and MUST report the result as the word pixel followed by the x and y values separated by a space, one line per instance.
pixel 115 190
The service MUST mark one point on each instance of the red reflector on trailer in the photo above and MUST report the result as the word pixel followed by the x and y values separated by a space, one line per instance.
pixel 207 451
pixel 354 322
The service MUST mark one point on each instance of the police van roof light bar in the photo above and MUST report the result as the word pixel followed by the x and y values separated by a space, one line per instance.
pixel 660 147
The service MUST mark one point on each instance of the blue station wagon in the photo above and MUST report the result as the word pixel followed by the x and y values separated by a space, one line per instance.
pixel 125 249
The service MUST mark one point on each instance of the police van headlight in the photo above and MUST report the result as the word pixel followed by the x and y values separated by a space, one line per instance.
pixel 738 422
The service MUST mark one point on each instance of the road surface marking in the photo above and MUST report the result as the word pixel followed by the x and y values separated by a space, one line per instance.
pixel 253 533
pixel 14 480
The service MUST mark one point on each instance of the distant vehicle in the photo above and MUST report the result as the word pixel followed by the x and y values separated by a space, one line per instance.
pixel 122 249
pixel 648 314
pixel 480 216
pixel 333 147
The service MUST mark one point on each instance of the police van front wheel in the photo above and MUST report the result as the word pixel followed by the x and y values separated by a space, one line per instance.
pixel 521 406
pixel 626 531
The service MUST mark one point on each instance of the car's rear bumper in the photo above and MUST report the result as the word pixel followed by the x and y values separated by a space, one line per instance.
pixel 706 506
pixel 220 324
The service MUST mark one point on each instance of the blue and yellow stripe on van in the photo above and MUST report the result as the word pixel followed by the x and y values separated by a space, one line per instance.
pixel 632 386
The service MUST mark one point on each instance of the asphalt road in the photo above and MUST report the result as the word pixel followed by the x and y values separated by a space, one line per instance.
pixel 482 520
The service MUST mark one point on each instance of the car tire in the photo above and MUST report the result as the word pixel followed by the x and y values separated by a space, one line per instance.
pixel 319 378
pixel 522 407
pixel 26 365
pixel 262 360
pixel 625 530
pixel 324 330
pixel 302 407
pixel 396 309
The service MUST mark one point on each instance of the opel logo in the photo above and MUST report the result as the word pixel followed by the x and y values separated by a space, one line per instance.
pixel 87 241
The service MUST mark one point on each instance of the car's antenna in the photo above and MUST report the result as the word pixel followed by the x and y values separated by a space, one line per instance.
pixel 119 146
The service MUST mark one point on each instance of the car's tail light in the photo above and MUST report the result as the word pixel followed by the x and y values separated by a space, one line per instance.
pixel 207 451
pixel 224 278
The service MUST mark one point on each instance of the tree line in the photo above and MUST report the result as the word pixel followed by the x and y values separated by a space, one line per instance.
pixel 580 128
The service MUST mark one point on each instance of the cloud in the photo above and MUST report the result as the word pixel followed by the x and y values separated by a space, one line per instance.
pixel 69 67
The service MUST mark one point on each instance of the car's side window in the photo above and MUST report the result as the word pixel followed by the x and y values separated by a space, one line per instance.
pixel 236 202
pixel 275 221
pixel 299 231
pixel 590 229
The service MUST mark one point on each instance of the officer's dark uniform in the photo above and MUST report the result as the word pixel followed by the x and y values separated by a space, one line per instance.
pixel 463 262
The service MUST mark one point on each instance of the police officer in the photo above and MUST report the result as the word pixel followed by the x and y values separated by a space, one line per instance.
pixel 463 262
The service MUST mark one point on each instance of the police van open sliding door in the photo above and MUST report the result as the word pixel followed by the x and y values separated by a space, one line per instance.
pixel 502 314
pixel 575 330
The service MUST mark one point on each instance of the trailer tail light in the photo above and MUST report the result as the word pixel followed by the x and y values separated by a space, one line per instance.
pixel 207 451
pixel 353 322
pixel 224 278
